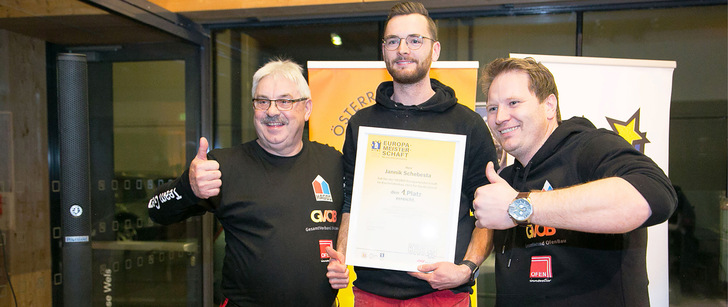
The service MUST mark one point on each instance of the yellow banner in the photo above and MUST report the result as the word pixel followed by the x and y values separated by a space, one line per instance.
pixel 340 89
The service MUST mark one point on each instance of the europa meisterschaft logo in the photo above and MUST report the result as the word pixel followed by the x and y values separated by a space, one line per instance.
pixel 376 145
pixel 391 148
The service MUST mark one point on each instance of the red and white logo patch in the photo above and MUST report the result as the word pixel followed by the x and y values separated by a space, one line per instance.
pixel 541 267
pixel 322 249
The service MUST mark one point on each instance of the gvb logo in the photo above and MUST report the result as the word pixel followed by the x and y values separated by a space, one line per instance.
pixel 321 189
pixel 323 216
pixel 533 231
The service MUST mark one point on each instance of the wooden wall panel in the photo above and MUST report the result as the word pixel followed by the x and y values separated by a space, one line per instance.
pixel 25 218
pixel 214 5
pixel 25 8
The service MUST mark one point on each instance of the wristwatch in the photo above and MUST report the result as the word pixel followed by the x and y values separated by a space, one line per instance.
pixel 520 209
pixel 474 269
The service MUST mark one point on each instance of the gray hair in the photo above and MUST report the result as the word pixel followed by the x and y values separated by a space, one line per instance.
pixel 286 69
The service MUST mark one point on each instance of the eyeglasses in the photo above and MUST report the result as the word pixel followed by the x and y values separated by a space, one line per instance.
pixel 281 104
pixel 414 41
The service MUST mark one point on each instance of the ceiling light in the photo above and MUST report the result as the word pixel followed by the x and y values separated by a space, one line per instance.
pixel 335 39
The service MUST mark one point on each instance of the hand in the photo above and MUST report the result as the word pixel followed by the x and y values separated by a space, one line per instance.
pixel 205 174
pixel 490 205
pixel 443 275
pixel 338 273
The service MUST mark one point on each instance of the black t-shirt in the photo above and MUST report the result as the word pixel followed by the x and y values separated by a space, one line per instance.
pixel 277 213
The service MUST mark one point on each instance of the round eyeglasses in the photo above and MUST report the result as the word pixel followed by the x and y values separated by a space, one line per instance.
pixel 281 104
pixel 414 41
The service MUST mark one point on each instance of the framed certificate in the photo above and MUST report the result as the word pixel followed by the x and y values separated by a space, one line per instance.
pixel 405 199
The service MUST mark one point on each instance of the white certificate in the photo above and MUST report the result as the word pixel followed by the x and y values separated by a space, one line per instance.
pixel 405 199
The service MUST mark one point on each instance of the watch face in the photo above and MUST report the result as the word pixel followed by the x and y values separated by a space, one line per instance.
pixel 520 209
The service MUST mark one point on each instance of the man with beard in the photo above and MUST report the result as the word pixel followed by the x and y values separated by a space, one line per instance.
pixel 277 198
pixel 413 101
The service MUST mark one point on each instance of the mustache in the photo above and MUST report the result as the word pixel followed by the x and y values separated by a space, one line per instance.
pixel 278 119
pixel 401 58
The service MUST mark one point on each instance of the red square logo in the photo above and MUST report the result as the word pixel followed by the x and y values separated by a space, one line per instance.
pixel 322 248
pixel 541 267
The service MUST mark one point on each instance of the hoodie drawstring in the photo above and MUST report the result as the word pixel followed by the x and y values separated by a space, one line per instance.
pixel 513 231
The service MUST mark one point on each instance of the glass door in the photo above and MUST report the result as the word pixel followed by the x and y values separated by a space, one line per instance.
pixel 144 122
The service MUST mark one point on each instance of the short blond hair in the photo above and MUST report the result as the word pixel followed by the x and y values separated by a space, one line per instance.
pixel 540 80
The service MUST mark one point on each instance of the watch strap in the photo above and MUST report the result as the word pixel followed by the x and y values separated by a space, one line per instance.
pixel 523 195
pixel 473 268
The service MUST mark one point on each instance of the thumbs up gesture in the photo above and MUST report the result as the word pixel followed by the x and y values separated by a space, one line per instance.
pixel 491 202
pixel 205 174
pixel 338 273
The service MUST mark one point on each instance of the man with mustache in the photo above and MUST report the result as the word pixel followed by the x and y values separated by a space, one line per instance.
pixel 413 101
pixel 277 197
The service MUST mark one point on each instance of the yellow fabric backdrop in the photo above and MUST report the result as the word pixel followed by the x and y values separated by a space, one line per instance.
pixel 340 89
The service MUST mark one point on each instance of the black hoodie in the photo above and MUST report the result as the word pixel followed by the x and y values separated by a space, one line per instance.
pixel 574 268
pixel 441 114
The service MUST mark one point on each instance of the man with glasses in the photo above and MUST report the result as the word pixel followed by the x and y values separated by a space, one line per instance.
pixel 277 197
pixel 413 101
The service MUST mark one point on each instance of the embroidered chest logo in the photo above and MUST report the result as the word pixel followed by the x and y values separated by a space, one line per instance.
pixel 321 189
pixel 533 231
pixel 323 216
pixel 541 269
pixel 547 186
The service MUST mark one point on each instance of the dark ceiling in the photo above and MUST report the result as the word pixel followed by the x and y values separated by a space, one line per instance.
pixel 89 22
pixel 102 29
